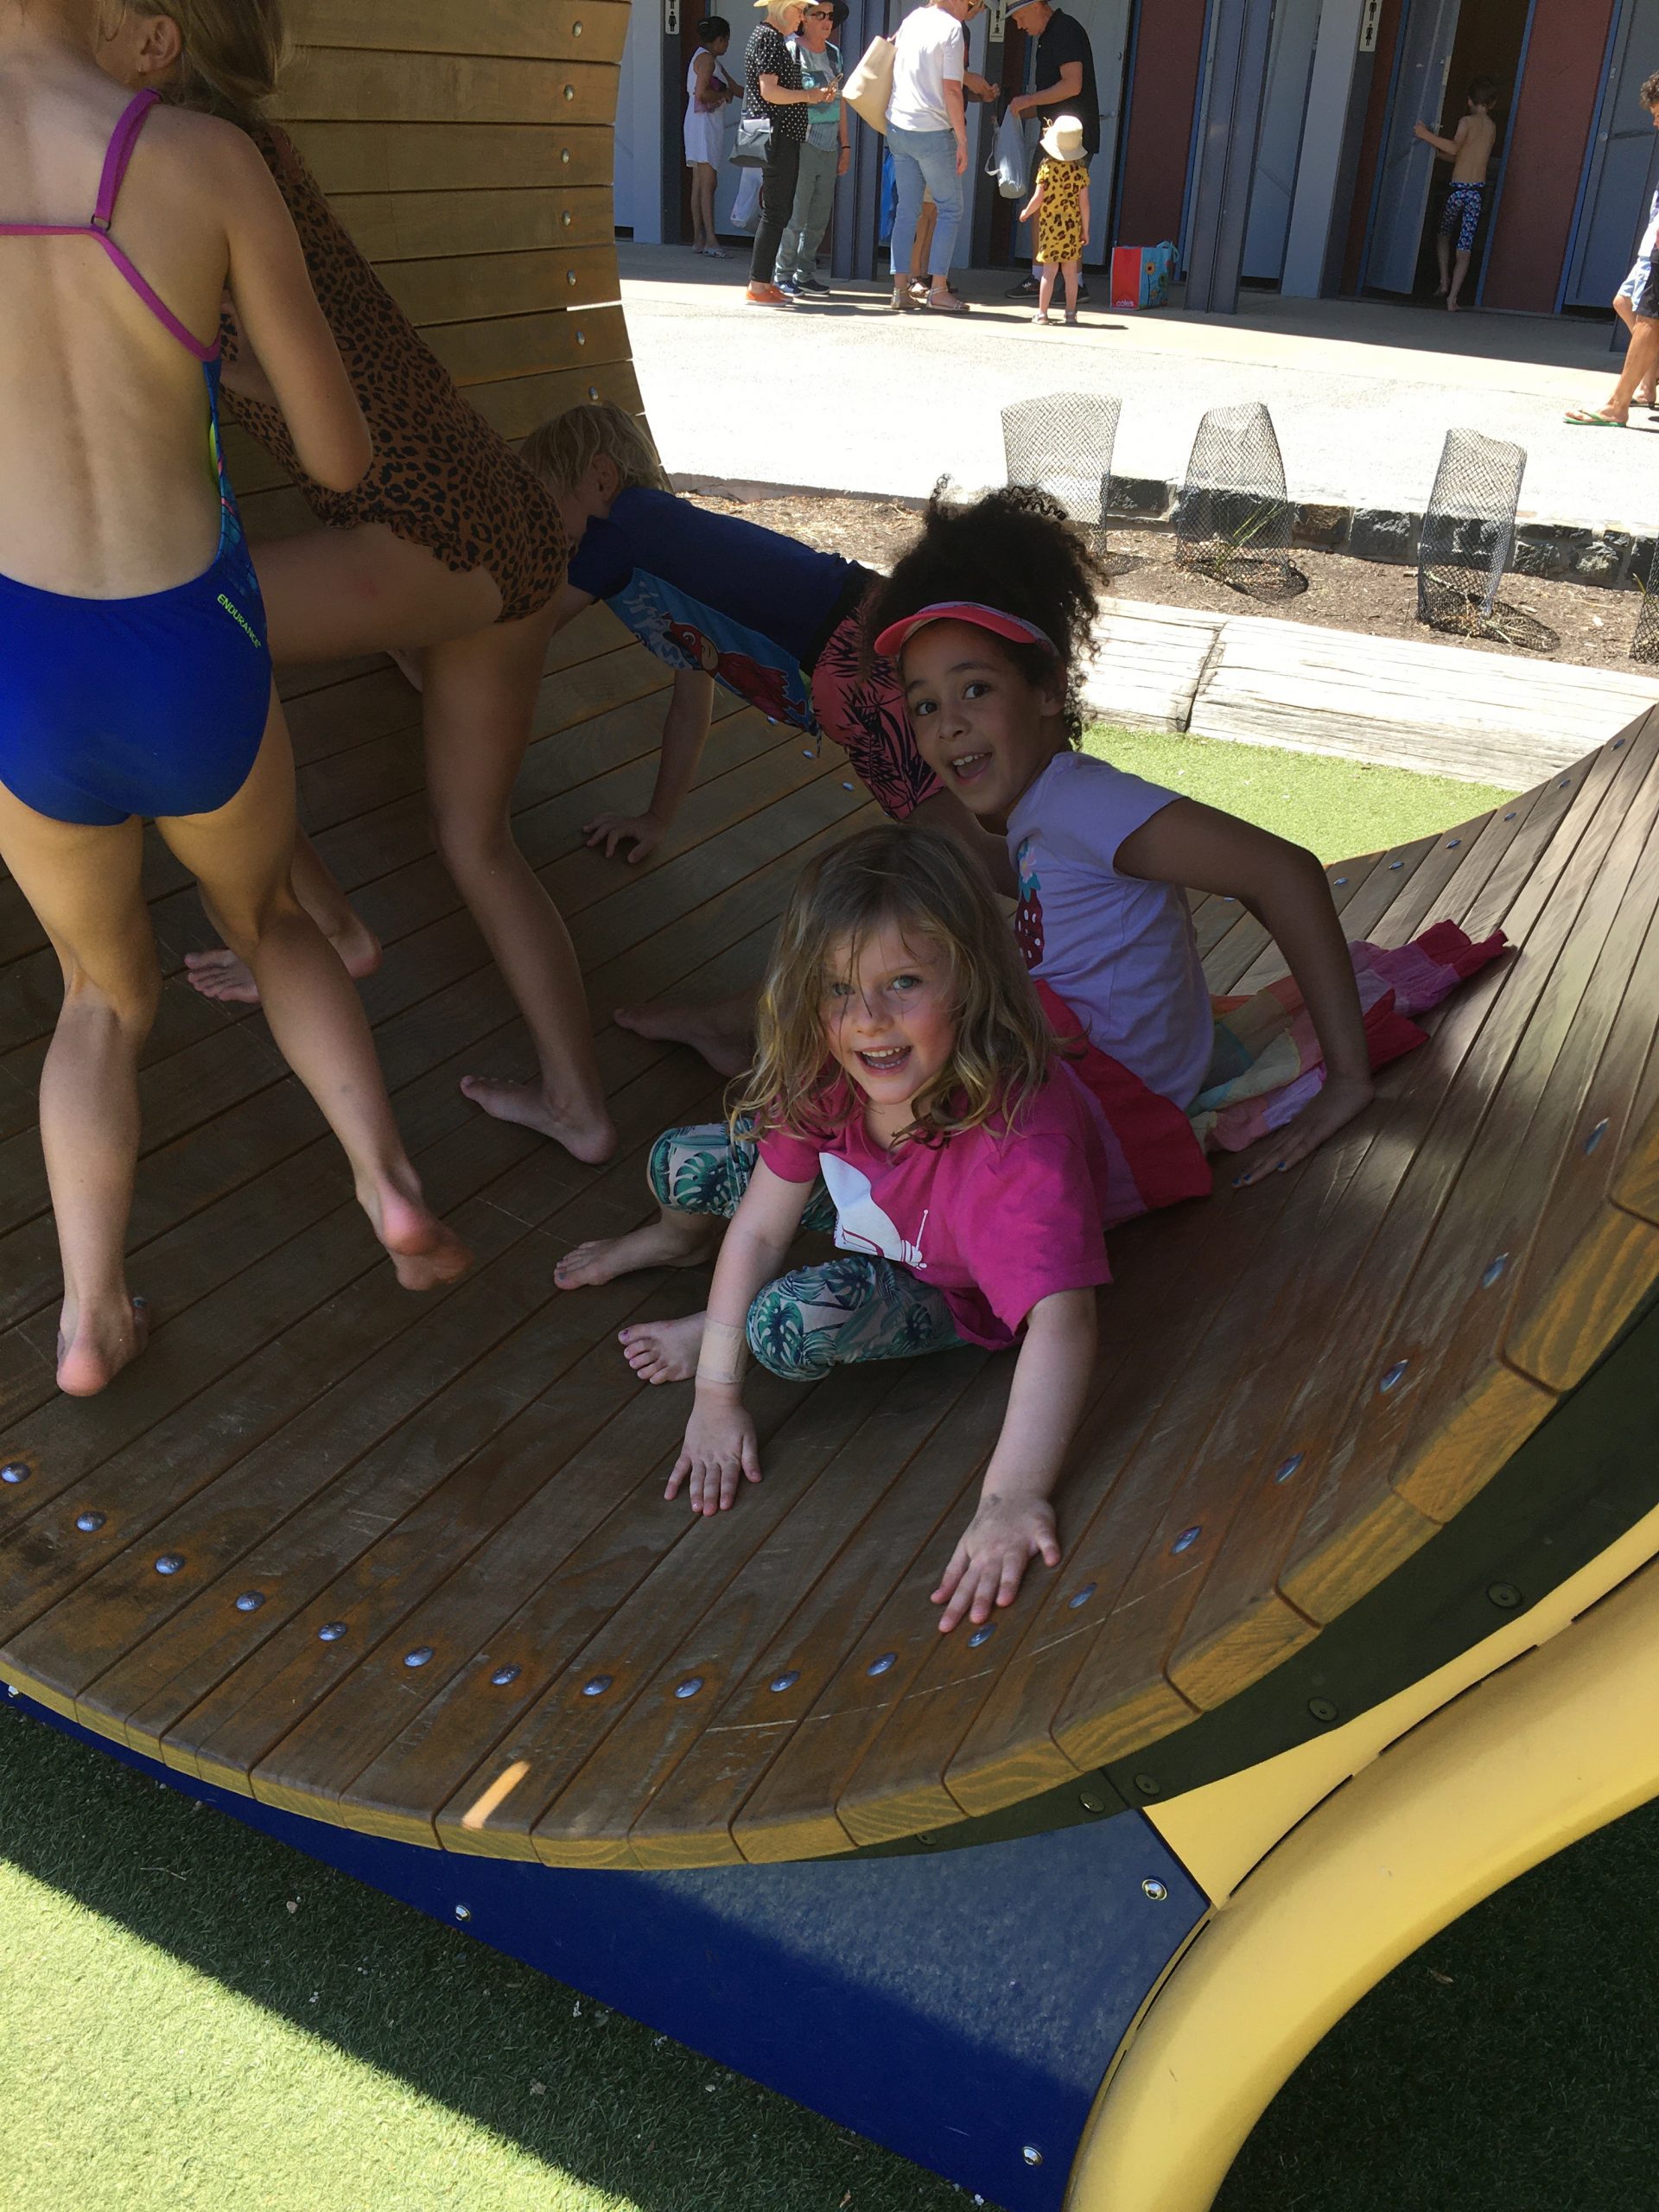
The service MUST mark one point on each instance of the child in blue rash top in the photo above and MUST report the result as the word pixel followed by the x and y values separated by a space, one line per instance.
pixel 722 600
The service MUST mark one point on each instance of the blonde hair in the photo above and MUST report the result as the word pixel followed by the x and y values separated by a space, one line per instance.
pixel 924 885
pixel 562 450
pixel 234 53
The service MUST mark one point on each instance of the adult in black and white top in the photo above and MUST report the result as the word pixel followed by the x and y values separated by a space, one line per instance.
pixel 1062 83
pixel 773 91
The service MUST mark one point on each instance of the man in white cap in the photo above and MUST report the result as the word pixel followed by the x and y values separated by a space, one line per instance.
pixel 1062 83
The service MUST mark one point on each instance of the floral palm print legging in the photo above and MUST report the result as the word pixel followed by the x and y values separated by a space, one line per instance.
pixel 813 1319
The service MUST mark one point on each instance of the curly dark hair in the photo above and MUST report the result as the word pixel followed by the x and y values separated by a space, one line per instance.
pixel 1651 90
pixel 1013 549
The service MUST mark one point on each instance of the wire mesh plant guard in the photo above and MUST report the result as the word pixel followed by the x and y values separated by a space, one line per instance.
pixel 1644 645
pixel 1233 520
pixel 1062 445
pixel 1468 542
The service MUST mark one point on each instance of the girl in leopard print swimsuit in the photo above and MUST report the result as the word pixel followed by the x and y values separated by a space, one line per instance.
pixel 449 550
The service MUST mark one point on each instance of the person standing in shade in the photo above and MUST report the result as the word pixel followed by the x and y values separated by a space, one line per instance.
pixel 1642 360
pixel 826 153
pixel 707 88
pixel 927 138
pixel 1062 83
pixel 774 93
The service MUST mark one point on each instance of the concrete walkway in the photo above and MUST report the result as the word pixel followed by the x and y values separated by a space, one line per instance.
pixel 849 397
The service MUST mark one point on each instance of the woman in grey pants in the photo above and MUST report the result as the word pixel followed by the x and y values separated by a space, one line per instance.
pixel 824 152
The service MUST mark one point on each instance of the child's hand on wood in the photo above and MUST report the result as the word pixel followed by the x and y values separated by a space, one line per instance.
pixel 1339 1100
pixel 646 831
pixel 720 1451
pixel 988 1565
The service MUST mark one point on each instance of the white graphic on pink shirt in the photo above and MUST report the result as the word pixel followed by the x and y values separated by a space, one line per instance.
pixel 861 1225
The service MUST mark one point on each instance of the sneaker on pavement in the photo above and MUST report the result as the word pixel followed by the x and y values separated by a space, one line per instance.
pixel 767 296
pixel 810 285
pixel 788 286
pixel 1026 289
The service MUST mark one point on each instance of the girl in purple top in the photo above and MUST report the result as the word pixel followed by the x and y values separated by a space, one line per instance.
pixel 909 1098
pixel 989 616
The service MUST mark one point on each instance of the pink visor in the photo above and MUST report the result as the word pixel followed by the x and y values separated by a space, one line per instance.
pixel 896 634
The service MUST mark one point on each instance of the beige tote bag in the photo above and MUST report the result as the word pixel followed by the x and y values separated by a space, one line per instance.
pixel 869 89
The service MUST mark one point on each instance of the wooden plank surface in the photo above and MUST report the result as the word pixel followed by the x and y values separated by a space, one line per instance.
pixel 1492 717
pixel 334 85
pixel 537 1656
pixel 416 1471
pixel 592 30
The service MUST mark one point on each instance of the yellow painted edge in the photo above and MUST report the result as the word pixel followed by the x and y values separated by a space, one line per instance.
pixel 1218 1833
pixel 1538 1755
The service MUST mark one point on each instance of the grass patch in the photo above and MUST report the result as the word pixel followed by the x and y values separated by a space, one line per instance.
pixel 1339 809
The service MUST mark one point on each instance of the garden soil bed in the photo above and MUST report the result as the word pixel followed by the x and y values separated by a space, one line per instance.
pixel 1594 625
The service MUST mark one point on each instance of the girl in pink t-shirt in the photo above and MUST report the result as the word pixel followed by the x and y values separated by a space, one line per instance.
pixel 908 1097
pixel 990 616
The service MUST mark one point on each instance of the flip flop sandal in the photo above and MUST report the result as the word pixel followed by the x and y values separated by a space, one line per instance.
pixel 1586 418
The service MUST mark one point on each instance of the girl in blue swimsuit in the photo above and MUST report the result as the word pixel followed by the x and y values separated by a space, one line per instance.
pixel 134 675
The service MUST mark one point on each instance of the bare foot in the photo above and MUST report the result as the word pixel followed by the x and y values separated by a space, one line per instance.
pixel 663 1351
pixel 93 1351
pixel 674 1240
pixel 424 1252
pixel 590 1138
pixel 723 1034
pixel 1451 307
pixel 221 974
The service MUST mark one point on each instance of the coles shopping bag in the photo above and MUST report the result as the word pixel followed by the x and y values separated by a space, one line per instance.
pixel 1142 276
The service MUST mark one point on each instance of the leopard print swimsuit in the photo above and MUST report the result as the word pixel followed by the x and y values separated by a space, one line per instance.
pixel 440 477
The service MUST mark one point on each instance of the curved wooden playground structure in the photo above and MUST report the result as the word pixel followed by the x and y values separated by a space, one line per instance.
pixel 1359 1616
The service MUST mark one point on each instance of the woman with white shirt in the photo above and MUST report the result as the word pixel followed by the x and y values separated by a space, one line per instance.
pixel 927 136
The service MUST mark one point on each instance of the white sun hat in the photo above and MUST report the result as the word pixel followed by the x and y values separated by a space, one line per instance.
pixel 1063 139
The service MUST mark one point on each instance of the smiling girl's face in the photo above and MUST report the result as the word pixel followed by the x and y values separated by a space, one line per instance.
pixel 890 1021
pixel 986 731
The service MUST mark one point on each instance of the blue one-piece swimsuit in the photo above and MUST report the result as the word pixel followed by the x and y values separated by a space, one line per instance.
pixel 111 707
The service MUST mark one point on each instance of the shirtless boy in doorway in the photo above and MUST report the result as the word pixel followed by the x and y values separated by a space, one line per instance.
pixel 1469 150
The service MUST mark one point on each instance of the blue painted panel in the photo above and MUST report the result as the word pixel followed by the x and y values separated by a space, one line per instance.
pixel 957 2006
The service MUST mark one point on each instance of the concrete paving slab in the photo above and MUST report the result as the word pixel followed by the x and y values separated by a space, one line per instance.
pixel 850 396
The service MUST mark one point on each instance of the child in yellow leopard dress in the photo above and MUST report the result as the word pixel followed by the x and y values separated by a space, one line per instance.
pixel 1060 205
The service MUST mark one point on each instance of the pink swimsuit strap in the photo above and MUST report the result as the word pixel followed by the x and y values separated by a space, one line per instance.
pixel 116 156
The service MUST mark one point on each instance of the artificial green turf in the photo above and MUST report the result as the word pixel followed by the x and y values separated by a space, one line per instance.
pixel 1338 808
pixel 177 2040
pixel 176 2037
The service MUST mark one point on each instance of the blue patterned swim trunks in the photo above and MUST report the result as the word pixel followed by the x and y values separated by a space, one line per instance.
pixel 1461 213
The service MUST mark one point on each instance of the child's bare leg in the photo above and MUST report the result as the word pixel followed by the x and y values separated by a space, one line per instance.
pixel 1459 270
pixel 673 1240
pixel 1071 270
pixel 221 974
pixel 84 884
pixel 481 699
pixel 1443 255
pixel 663 1351
pixel 1647 394
pixel 240 857
pixel 722 1032
pixel 330 594
pixel 1046 286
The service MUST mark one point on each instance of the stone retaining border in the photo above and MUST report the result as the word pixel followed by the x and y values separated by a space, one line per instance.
pixel 1611 559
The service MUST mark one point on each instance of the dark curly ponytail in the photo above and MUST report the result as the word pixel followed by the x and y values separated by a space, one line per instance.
pixel 1014 550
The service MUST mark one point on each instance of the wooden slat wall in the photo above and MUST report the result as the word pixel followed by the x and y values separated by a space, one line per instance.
pixel 467 148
